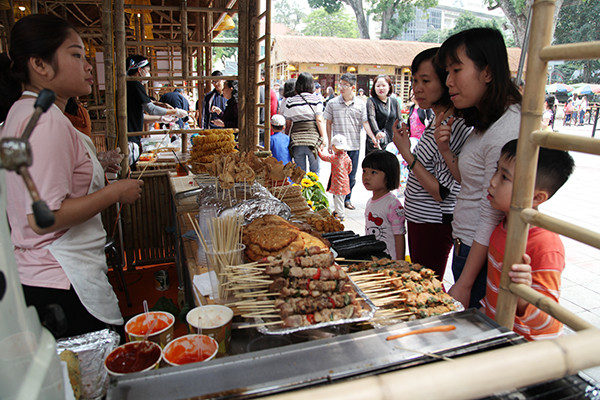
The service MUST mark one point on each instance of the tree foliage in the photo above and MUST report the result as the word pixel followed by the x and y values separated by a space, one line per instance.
pixel 288 13
pixel 466 20
pixel 579 23
pixel 337 24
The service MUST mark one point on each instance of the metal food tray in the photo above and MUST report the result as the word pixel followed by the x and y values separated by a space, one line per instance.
pixel 366 314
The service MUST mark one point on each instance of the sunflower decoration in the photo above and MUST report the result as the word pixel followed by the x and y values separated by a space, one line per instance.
pixel 314 193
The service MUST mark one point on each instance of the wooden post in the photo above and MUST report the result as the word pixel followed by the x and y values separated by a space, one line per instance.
pixel 121 100
pixel 267 129
pixel 184 40
pixel 247 75
pixel 527 155
pixel 109 74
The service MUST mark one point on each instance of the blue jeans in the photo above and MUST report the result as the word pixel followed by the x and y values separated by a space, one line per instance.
pixel 581 116
pixel 299 154
pixel 461 252
pixel 353 154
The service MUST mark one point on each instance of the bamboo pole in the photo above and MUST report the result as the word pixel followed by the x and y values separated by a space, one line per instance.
pixel 573 231
pixel 561 141
pixel 572 51
pixel 109 72
pixel 184 40
pixel 527 155
pixel 496 370
pixel 267 37
pixel 121 100
pixel 549 306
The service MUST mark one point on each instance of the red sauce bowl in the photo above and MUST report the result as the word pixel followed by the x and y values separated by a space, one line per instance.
pixel 133 357
pixel 162 333
pixel 184 350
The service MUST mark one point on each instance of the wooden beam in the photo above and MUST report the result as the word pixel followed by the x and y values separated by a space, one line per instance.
pixel 109 73
pixel 120 51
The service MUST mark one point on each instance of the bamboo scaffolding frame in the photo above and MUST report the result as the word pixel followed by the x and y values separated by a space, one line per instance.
pixel 564 228
pixel 561 141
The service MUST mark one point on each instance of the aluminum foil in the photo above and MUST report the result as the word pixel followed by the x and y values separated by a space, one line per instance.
pixel 91 349
pixel 251 201
pixel 367 313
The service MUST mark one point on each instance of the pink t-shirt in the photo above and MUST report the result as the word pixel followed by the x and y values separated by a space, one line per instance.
pixel 384 218
pixel 61 169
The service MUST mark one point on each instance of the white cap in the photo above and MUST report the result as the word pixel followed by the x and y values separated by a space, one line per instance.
pixel 340 142
pixel 278 120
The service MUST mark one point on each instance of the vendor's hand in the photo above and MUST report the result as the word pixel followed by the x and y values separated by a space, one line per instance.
pixel 129 190
pixel 443 132
pixel 521 273
pixel 111 160
pixel 461 293
pixel 218 122
pixel 401 138
pixel 216 110
pixel 167 119
pixel 180 113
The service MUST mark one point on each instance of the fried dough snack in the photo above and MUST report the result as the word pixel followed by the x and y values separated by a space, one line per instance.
pixel 271 235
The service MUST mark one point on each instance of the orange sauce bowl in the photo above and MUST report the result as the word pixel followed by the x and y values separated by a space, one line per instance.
pixel 184 350
pixel 162 333
pixel 133 357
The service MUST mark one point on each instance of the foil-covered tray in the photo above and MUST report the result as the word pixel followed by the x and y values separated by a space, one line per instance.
pixel 367 312
pixel 91 350
pixel 250 200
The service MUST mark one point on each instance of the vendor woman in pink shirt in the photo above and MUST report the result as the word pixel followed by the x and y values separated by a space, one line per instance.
pixel 62 267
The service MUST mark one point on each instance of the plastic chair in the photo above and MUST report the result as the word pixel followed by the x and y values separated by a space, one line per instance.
pixel 113 259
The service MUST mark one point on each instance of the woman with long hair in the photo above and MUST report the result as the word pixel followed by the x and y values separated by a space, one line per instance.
pixel 63 266
pixel 481 88
pixel 431 189
pixel 382 111
pixel 229 116
pixel 305 124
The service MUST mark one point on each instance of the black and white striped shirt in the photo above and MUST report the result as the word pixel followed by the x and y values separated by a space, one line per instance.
pixel 419 205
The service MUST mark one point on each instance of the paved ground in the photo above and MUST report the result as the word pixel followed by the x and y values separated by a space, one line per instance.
pixel 576 202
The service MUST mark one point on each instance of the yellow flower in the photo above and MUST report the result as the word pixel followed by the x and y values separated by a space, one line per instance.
pixel 310 203
pixel 295 184
pixel 307 183
pixel 313 208
pixel 314 177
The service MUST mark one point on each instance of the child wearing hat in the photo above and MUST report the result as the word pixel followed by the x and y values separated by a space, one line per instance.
pixel 339 180
pixel 280 142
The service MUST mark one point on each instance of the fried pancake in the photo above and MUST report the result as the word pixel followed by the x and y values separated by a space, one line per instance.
pixel 272 238
pixel 310 240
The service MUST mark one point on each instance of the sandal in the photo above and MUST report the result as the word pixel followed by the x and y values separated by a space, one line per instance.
pixel 349 206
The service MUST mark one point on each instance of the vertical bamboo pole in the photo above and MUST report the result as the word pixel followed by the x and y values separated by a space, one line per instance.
pixel 184 40
pixel 527 155
pixel 109 73
pixel 121 98
pixel 245 141
pixel 268 75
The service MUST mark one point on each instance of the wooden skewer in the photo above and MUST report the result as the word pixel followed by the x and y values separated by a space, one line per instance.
pixel 251 301
pixel 259 315
pixel 262 324
pixel 255 294
pixel 425 354
pixel 387 294
pixel 372 276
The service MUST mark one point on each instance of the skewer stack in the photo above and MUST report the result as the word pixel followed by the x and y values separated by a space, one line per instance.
pixel 209 143
pixel 401 290
pixel 299 289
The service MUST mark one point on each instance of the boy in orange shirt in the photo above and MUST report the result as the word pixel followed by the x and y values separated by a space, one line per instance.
pixel 545 253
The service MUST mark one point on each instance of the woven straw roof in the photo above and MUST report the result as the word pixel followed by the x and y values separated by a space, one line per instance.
pixel 329 50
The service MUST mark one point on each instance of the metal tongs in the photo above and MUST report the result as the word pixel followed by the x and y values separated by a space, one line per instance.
pixel 15 155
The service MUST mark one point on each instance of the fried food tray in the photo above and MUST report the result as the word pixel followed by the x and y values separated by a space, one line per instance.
pixel 368 310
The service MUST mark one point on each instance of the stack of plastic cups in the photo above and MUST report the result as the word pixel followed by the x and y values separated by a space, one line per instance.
pixel 205 215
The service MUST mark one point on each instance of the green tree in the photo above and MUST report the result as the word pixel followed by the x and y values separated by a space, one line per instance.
pixel 579 23
pixel 396 14
pixel 517 12
pixel 288 13
pixel 466 20
pixel 337 24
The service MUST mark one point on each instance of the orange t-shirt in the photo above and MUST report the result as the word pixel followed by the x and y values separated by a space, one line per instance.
pixel 547 263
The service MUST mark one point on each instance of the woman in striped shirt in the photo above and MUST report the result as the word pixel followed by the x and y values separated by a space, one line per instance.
pixel 431 189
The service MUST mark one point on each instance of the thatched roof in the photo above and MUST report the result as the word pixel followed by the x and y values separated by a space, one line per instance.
pixel 329 50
